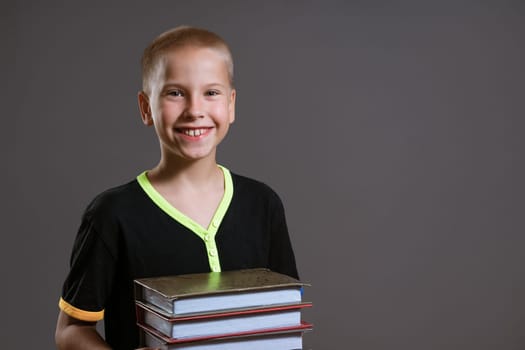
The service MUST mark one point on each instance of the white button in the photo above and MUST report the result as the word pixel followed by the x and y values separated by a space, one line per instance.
pixel 213 252
pixel 215 223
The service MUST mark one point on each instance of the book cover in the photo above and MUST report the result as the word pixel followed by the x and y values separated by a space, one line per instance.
pixel 281 338
pixel 209 324
pixel 205 292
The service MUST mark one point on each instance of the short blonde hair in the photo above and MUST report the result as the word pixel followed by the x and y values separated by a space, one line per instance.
pixel 154 57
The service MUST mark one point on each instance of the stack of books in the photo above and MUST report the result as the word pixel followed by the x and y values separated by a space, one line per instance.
pixel 254 309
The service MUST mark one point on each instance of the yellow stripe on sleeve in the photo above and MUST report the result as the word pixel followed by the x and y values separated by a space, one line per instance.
pixel 90 316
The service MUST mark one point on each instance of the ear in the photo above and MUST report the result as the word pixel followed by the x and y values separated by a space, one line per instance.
pixel 233 95
pixel 145 108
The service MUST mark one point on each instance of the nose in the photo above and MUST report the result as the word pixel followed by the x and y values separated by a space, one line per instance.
pixel 194 108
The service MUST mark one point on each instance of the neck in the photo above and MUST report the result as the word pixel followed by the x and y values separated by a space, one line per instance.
pixel 194 173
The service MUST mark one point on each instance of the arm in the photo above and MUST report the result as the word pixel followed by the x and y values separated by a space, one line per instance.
pixel 78 335
pixel 282 257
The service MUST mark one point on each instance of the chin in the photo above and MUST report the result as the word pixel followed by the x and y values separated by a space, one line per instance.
pixel 197 156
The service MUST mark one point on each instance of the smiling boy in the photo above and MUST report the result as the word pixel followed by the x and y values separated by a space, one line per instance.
pixel 186 215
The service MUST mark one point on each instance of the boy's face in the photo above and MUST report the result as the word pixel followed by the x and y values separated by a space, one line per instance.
pixel 195 104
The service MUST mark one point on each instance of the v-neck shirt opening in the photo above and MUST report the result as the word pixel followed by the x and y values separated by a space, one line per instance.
pixel 206 234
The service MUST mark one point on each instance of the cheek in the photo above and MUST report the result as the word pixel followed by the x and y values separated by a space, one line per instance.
pixel 169 111
pixel 221 112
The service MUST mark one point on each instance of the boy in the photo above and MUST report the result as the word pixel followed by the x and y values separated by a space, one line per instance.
pixel 187 215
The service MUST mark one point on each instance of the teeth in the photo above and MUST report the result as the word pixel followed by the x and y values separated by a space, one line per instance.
pixel 194 132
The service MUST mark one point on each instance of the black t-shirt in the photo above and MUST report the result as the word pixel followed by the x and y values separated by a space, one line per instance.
pixel 128 232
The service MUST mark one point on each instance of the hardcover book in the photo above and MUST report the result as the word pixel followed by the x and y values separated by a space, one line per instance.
pixel 220 323
pixel 275 339
pixel 216 291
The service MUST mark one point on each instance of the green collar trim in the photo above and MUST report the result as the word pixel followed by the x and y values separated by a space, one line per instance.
pixel 163 204
pixel 206 234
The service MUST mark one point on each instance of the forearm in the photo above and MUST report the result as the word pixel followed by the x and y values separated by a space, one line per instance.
pixel 76 335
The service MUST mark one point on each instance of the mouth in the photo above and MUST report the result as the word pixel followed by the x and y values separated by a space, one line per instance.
pixel 193 132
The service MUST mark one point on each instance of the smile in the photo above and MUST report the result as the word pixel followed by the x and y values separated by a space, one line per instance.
pixel 194 132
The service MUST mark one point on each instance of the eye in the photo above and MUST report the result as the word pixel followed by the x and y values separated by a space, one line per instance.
pixel 175 93
pixel 213 92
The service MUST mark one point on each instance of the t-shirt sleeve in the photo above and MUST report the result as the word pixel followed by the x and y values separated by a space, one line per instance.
pixel 282 258
pixel 89 282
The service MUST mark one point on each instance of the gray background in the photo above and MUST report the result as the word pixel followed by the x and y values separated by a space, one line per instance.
pixel 392 131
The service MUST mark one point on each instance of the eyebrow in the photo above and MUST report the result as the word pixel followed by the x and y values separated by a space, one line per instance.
pixel 174 84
